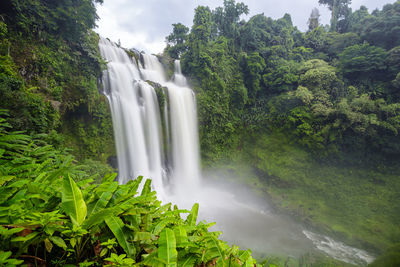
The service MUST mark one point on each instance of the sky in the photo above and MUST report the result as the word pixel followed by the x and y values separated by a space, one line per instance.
pixel 144 24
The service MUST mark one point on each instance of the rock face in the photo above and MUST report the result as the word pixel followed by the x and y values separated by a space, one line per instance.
pixel 113 161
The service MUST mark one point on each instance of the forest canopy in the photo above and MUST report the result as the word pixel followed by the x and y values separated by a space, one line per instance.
pixel 331 88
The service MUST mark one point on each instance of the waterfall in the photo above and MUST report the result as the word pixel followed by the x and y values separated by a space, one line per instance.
pixel 145 145
pixel 178 78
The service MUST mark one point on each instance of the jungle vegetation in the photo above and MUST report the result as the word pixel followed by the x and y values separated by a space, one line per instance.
pixel 310 118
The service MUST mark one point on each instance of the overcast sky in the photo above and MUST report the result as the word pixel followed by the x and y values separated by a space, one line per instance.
pixel 144 24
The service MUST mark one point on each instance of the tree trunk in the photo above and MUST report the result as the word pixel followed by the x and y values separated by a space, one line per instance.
pixel 335 9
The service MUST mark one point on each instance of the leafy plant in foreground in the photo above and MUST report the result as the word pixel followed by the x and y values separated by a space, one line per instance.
pixel 46 218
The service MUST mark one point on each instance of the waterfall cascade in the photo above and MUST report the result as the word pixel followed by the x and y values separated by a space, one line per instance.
pixel 144 147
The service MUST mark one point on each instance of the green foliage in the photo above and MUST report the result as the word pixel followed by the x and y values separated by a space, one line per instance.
pixel 382 28
pixel 290 81
pixel 44 18
pixel 202 26
pixel 362 60
pixel 281 75
pixel 176 40
pixel 49 69
pixel 227 17
pixel 47 217
pixel 5 259
pixel 252 68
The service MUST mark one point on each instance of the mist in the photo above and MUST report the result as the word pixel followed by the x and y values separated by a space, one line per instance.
pixel 246 219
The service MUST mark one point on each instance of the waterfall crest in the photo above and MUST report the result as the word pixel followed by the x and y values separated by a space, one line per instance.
pixel 168 152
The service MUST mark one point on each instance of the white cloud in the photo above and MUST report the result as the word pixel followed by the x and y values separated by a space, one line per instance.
pixel 144 24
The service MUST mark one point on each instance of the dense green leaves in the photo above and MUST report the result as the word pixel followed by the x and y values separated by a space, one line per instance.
pixel 45 212
pixel 49 69
pixel 362 60
pixel 293 82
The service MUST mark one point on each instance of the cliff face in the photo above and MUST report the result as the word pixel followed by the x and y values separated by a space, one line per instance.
pixel 49 75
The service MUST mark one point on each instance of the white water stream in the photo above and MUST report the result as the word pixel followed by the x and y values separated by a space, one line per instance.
pixel 168 153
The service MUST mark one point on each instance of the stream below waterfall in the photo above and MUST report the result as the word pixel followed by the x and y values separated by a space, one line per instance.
pixel 162 143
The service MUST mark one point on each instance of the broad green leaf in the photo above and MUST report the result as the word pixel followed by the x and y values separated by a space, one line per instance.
pixel 167 248
pixel 180 235
pixel 48 245
pixel 152 260
pixel 250 262
pixel 116 226
pixel 72 201
pixel 192 217
pixel 109 177
pixel 176 213
pixel 146 188
pixel 20 195
pixel 187 262
pixel 162 209
pixel 213 249
pixel 98 217
pixel 161 225
pixel 40 176
pixel 19 184
pixel 72 241
pixel 5 233
pixel 5 179
pixel 103 200
pixel 244 255
pixel 25 238
pixel 136 211
pixel 58 241
pixel 103 252
pixel 143 236
pixel 4 255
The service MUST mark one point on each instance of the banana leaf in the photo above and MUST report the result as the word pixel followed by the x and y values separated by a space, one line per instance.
pixel 72 201
pixel 167 248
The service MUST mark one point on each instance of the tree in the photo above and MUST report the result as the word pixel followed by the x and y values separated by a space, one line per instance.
pixel 362 60
pixel 336 42
pixel 280 76
pixel 227 17
pixel 70 19
pixel 316 39
pixel 383 27
pixel 317 75
pixel 202 24
pixel 356 19
pixel 338 8
pixel 313 21
pixel 176 40
pixel 256 34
